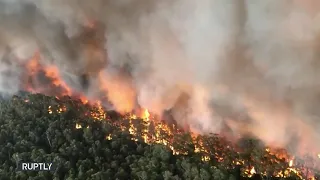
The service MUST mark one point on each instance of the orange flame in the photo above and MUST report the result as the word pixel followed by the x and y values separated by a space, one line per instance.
pixel 53 73
pixel 146 114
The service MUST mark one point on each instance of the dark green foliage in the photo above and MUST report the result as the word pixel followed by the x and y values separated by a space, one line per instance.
pixel 29 133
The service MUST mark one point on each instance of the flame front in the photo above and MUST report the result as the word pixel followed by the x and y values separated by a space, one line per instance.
pixel 162 132
pixel 165 134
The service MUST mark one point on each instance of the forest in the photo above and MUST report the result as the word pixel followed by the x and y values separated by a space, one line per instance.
pixel 86 143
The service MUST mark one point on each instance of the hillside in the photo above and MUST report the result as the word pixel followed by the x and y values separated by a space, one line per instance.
pixel 84 142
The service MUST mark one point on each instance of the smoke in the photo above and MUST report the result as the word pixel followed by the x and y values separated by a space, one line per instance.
pixel 249 66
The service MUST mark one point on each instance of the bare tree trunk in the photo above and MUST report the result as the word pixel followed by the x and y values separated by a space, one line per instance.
pixel 48 139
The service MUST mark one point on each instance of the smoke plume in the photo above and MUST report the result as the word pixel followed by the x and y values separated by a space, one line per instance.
pixel 251 66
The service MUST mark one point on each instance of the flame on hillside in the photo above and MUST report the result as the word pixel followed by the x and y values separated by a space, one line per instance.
pixel 259 69
pixel 162 133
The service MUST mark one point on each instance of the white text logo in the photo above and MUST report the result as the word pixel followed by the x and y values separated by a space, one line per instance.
pixel 34 166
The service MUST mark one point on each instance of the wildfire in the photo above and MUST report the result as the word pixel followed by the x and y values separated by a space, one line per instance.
pixel 161 133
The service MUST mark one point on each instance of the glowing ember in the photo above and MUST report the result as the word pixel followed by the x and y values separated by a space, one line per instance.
pixel 252 171
pixel 205 158
pixel 78 126
pixel 84 100
pixel 49 110
pixel 109 137
pixel 291 163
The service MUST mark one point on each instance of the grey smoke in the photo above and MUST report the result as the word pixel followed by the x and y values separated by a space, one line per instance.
pixel 250 65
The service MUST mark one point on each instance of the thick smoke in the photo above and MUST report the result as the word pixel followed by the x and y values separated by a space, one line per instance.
pixel 251 66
